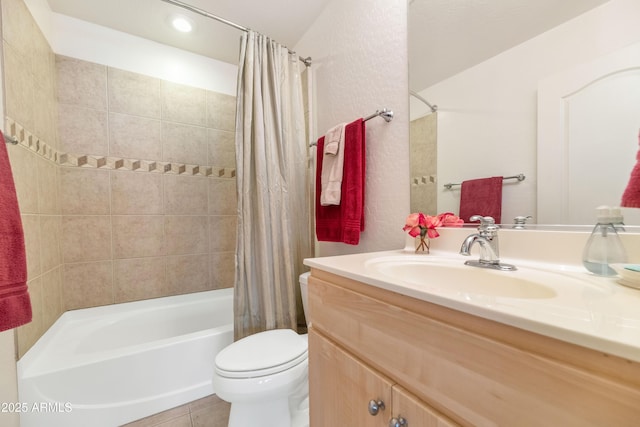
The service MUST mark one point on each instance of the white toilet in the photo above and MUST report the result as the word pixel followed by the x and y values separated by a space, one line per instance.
pixel 265 377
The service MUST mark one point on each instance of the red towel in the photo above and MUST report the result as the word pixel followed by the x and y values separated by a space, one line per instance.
pixel 481 197
pixel 15 305
pixel 631 195
pixel 344 222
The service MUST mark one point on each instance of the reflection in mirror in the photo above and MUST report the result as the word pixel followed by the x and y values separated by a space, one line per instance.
pixel 423 134
pixel 482 64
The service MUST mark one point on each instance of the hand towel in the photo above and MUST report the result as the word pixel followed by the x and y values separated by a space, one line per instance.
pixel 631 195
pixel 333 166
pixel 344 222
pixel 481 197
pixel 15 304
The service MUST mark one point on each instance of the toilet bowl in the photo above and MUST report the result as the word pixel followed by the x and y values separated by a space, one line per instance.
pixel 265 377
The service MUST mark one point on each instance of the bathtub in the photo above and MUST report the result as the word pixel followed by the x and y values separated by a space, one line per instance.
pixel 110 365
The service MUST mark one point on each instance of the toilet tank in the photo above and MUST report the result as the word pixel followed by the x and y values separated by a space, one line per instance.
pixel 304 280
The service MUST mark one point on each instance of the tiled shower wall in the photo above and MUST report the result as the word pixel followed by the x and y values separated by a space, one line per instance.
pixel 148 199
pixel 30 100
pixel 126 183
pixel 423 137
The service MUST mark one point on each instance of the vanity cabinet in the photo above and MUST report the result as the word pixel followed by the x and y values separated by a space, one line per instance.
pixel 435 366
pixel 349 393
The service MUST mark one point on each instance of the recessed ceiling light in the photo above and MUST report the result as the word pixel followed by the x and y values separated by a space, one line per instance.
pixel 182 23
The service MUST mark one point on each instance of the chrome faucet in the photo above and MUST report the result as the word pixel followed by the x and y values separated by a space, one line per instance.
pixel 487 238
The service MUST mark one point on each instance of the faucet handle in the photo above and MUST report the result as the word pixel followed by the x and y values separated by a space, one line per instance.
pixel 487 227
pixel 484 220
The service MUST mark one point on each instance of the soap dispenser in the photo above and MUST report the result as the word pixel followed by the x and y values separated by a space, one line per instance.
pixel 604 246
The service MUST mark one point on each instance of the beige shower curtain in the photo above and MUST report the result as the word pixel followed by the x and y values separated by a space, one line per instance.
pixel 273 216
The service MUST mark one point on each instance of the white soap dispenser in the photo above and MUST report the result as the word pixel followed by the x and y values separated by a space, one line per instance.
pixel 604 246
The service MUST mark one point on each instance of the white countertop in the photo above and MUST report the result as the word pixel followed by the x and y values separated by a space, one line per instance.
pixel 587 310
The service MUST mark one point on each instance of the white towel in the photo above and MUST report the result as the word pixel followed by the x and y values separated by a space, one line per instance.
pixel 332 166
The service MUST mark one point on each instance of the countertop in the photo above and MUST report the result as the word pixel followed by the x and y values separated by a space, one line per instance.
pixel 587 310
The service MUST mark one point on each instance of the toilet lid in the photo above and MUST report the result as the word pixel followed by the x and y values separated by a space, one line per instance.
pixel 264 353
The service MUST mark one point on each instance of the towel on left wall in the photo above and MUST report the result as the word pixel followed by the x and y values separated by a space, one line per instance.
pixel 15 304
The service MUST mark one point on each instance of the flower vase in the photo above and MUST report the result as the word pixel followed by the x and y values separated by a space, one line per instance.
pixel 422 245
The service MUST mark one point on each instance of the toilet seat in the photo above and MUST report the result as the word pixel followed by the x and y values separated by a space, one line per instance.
pixel 278 350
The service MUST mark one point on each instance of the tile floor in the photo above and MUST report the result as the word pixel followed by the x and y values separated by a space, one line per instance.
pixel 210 411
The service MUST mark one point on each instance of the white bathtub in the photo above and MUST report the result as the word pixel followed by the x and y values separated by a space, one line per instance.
pixel 107 366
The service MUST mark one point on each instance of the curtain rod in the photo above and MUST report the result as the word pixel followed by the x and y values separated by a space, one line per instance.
pixel 434 108
pixel 306 61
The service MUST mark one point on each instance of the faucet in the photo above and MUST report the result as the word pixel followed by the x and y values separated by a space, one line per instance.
pixel 487 238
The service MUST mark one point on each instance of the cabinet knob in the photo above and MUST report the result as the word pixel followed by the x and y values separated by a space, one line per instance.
pixel 375 406
pixel 398 422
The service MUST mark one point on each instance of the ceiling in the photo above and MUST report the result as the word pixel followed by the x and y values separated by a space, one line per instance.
pixel 445 37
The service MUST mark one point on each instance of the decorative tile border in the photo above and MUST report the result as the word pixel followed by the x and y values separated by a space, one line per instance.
pixel 32 142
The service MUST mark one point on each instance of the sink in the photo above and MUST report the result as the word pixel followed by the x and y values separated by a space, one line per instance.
pixel 447 275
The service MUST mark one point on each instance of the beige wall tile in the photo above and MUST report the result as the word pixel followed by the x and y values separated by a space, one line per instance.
pixel 29 333
pixel 136 193
pixel 221 111
pixel 50 238
pixel 184 143
pixel 187 273
pixel 86 238
pixel 45 115
pixel 84 191
pixel 138 236
pixel 183 104
pixel 81 83
pixel 222 196
pixel 134 137
pixel 82 130
pixel 223 270
pixel 31 227
pixel 43 64
pixel 186 234
pixel 48 200
pixel 24 167
pixel 52 307
pixel 18 26
pixel 19 95
pixel 185 195
pixel 222 148
pixel 223 233
pixel 139 278
pixel 132 93
pixel 87 284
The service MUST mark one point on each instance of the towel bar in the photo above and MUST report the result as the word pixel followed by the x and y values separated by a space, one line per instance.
pixel 519 177
pixel 387 115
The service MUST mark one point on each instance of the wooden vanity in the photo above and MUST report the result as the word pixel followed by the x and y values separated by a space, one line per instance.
pixel 374 351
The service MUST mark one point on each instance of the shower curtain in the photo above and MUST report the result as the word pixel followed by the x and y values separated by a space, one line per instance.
pixel 273 216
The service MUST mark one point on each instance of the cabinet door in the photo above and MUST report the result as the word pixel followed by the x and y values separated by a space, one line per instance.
pixel 415 412
pixel 341 387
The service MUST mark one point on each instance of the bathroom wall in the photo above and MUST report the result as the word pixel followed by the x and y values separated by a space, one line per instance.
pixel 359 51
pixel 147 185
pixel 30 108
pixel 492 107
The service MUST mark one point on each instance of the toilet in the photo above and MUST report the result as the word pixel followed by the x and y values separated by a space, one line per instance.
pixel 265 377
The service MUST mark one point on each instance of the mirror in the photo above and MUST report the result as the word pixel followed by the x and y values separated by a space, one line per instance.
pixel 483 64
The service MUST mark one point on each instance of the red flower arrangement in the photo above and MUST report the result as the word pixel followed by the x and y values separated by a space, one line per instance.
pixel 425 226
